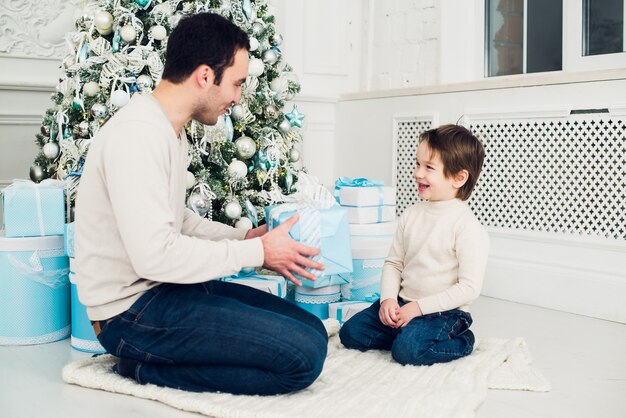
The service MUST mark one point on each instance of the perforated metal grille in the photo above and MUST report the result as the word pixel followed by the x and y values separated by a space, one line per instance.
pixel 565 175
pixel 406 138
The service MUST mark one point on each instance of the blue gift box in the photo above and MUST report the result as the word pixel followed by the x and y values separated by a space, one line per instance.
pixel 34 290
pixel 317 300
pixel 369 258
pixel 326 228
pixel 273 284
pixel 83 336
pixel 69 240
pixel 34 210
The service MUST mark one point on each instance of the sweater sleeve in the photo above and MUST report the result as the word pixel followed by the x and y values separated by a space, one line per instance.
pixel 137 166
pixel 394 265
pixel 196 226
pixel 472 250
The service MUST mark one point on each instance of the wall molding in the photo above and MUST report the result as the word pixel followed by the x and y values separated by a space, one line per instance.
pixel 21 118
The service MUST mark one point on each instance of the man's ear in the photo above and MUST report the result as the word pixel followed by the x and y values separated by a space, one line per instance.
pixel 203 75
pixel 460 178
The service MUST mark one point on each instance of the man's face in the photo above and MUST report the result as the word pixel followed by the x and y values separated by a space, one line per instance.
pixel 216 100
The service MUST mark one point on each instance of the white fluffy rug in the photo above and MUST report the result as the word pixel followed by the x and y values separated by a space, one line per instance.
pixel 353 384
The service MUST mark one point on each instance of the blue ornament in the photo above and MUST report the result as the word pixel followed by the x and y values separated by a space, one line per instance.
pixel 246 6
pixel 117 39
pixel 133 88
pixel 228 128
pixel 84 52
pixel 143 3
pixel 67 133
pixel 294 117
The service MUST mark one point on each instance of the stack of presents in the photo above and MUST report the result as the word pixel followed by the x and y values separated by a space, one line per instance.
pixel 38 298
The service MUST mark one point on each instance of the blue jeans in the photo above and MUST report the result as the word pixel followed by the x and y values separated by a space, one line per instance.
pixel 434 338
pixel 216 336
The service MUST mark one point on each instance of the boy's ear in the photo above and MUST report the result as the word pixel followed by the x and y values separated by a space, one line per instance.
pixel 459 179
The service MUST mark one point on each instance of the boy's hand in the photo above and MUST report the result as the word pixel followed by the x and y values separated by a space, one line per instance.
pixel 408 312
pixel 388 312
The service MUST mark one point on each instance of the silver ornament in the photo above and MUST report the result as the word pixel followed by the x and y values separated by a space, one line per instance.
pixel 45 130
pixel 38 173
pixel 83 129
pixel 271 111
pixel 237 169
pixel 103 21
pixel 128 33
pixel 294 155
pixel 236 112
pixel 51 150
pixel 98 110
pixel 273 155
pixel 270 56
pixel 144 82
pixel 276 40
pixel 255 67
pixel 284 126
pixel 279 85
pixel 257 27
pixel 198 204
pixel 246 147
pixel 233 209
pixel 243 223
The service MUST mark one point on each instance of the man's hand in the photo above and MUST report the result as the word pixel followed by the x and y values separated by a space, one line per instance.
pixel 408 312
pixel 388 312
pixel 287 256
pixel 256 232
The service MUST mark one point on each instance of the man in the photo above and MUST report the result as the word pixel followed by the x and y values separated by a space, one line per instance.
pixel 146 264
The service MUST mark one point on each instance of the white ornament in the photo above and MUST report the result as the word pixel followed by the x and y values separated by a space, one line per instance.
pixel 257 27
pixel 51 150
pixel 91 88
pixel 120 98
pixel 103 21
pixel 198 204
pixel 144 82
pixel 294 155
pixel 237 169
pixel 190 180
pixel 98 110
pixel 256 67
pixel 243 223
pixel 128 33
pixel 158 32
pixel 233 209
pixel 279 85
pixel 270 56
pixel 246 147
pixel 236 112
pixel 284 126
pixel 254 44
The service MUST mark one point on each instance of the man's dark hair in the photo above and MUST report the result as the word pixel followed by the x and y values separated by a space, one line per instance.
pixel 458 150
pixel 203 38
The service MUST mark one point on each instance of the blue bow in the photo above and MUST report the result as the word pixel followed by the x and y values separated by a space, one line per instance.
pixel 359 182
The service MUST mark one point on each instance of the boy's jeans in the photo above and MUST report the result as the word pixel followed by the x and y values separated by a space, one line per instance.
pixel 425 340
pixel 216 336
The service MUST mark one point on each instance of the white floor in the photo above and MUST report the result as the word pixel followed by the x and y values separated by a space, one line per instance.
pixel 584 359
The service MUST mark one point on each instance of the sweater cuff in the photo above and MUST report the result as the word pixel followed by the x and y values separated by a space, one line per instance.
pixel 251 250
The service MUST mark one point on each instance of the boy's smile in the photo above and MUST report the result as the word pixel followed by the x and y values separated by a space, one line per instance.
pixel 432 183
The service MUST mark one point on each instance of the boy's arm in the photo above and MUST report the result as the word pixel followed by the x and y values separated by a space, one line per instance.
pixel 472 250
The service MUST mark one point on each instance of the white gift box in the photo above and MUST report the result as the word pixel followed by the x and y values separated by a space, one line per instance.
pixel 371 214
pixel 276 285
pixel 367 196
pixel 381 230
pixel 342 311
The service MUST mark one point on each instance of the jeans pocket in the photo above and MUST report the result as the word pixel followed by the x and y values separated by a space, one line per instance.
pixel 127 350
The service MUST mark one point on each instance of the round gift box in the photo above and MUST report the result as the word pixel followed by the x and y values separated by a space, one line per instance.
pixel 34 290
pixel 83 336
pixel 316 300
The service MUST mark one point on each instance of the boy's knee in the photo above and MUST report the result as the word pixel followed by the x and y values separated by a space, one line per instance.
pixel 412 353
pixel 348 338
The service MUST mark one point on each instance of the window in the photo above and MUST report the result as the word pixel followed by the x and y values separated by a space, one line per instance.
pixel 524 36
pixel 603 27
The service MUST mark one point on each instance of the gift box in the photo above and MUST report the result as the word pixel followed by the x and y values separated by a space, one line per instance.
pixel 368 260
pixel 83 337
pixel 324 228
pixel 34 210
pixel 342 311
pixel 34 290
pixel 276 285
pixel 69 239
pixel 367 196
pixel 371 214
pixel 316 300
pixel 382 230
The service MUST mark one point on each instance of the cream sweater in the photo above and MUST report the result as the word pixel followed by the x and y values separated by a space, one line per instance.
pixel 438 257
pixel 132 228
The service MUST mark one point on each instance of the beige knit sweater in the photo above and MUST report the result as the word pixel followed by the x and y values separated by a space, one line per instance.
pixel 438 257
pixel 132 229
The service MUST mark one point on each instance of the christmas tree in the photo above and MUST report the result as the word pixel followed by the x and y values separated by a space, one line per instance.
pixel 235 167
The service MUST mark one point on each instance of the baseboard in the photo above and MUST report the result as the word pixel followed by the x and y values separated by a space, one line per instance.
pixel 585 277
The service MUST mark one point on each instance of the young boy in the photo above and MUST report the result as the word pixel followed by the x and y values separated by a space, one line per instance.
pixel 437 261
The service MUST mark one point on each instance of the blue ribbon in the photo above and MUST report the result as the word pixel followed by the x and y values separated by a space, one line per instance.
pixel 361 182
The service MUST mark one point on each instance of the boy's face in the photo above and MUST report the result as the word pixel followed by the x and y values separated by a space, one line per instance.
pixel 432 184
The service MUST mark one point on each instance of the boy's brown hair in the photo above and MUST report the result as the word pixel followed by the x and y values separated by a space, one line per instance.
pixel 459 150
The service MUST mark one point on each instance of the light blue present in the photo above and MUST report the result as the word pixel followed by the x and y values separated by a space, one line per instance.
pixel 274 284
pixel 325 228
pixel 69 240
pixel 369 258
pixel 83 337
pixel 342 311
pixel 34 290
pixel 316 301
pixel 34 210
